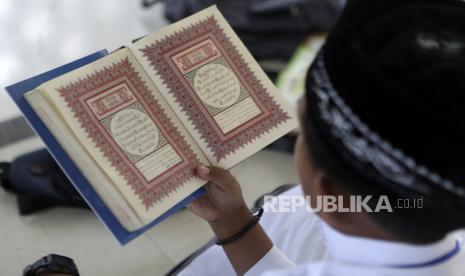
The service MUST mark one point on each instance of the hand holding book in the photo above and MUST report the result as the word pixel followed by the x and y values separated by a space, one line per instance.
pixel 224 195
pixel 242 238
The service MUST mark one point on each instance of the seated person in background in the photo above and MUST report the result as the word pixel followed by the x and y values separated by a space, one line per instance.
pixel 382 118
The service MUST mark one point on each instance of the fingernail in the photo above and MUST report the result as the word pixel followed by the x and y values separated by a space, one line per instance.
pixel 202 170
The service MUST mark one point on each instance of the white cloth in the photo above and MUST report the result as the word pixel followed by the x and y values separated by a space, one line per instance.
pixel 291 233
pixel 273 260
pixel 304 245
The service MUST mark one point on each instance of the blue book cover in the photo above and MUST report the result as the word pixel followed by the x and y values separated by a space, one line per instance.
pixel 17 92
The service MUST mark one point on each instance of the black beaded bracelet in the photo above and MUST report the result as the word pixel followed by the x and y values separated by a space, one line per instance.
pixel 244 230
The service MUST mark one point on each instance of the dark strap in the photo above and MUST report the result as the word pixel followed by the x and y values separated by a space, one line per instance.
pixel 244 230
pixel 5 175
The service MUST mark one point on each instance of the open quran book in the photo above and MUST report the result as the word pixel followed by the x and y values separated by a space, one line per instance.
pixel 138 121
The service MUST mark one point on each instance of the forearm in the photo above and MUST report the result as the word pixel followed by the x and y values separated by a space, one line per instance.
pixel 250 248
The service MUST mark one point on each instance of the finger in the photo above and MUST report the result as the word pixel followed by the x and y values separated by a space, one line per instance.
pixel 219 176
pixel 200 203
pixel 197 201
pixel 203 172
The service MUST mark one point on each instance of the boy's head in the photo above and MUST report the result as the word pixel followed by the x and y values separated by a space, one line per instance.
pixel 383 116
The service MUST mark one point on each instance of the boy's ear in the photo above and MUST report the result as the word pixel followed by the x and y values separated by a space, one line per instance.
pixel 324 185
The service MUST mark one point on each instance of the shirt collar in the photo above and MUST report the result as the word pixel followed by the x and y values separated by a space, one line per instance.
pixel 366 251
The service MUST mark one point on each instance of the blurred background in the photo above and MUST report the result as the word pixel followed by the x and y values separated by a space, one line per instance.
pixel 38 35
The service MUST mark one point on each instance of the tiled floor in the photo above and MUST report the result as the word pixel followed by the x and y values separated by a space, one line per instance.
pixel 42 34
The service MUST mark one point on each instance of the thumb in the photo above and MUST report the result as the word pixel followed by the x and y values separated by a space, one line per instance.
pixel 218 176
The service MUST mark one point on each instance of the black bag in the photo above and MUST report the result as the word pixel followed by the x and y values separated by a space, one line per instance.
pixel 38 183
pixel 269 28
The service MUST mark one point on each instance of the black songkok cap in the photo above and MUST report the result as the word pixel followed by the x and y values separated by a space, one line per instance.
pixel 387 95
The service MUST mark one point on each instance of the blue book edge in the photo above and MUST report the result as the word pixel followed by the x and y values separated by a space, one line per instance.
pixel 17 91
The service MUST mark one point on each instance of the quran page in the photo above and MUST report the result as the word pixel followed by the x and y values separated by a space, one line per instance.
pixel 216 88
pixel 124 124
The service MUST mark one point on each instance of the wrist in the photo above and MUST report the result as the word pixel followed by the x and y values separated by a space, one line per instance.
pixel 232 222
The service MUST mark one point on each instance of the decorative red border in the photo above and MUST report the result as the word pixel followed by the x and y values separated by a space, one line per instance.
pixel 221 145
pixel 207 51
pixel 99 106
pixel 149 193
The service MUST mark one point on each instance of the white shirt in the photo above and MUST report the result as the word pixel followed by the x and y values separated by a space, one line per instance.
pixel 349 255
pixel 304 245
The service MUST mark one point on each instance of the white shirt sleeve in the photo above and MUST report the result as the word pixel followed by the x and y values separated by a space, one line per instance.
pixel 273 260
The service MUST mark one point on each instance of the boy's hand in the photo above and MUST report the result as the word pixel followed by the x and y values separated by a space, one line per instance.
pixel 223 198
pixel 224 208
